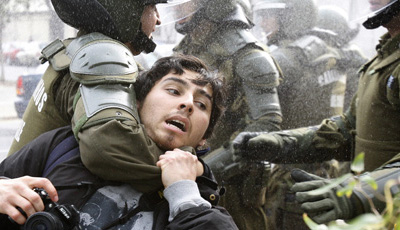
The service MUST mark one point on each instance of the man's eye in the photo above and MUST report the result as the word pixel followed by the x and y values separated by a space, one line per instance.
pixel 173 91
pixel 202 105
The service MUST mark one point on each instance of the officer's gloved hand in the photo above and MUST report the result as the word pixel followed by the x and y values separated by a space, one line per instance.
pixel 242 139
pixel 259 145
pixel 324 207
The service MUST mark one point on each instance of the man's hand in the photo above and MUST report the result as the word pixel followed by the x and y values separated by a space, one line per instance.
pixel 324 207
pixel 179 165
pixel 19 193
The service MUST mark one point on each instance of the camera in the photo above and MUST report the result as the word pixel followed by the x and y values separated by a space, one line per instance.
pixel 54 216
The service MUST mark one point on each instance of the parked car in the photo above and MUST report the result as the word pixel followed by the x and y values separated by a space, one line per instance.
pixel 30 53
pixel 26 85
pixel 23 53
pixel 10 51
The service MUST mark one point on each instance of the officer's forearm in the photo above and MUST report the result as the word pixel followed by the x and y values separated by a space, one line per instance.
pixel 366 196
pixel 296 146
pixel 269 122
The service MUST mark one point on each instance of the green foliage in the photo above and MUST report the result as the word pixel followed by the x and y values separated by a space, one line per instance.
pixel 363 222
pixel 388 219
pixel 358 163
pixel 331 185
pixel 370 181
pixel 348 190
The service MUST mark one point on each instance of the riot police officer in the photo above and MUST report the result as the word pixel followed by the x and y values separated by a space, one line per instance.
pixel 338 33
pixel 88 84
pixel 218 33
pixel 313 88
pixel 370 125
pixel 375 111
pixel 307 61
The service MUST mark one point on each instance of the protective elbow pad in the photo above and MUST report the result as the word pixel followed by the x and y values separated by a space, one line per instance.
pixel 99 104
pixel 106 70
pixel 261 76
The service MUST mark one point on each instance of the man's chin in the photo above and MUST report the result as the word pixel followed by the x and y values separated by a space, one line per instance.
pixel 170 145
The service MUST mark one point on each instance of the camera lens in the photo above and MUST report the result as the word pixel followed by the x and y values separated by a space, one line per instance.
pixel 43 221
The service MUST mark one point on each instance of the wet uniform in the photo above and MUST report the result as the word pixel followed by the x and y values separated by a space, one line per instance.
pixel 313 89
pixel 115 129
pixel 371 125
pixel 377 105
pixel 252 104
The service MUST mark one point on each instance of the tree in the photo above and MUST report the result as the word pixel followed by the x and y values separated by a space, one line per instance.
pixel 3 17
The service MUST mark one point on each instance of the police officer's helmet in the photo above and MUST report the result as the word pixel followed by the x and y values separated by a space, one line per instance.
pixel 118 19
pixel 383 15
pixel 334 19
pixel 232 12
pixel 295 17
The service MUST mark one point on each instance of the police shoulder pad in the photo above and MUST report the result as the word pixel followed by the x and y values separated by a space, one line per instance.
pixel 103 62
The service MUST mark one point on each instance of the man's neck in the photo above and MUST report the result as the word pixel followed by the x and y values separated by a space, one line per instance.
pixel 393 26
pixel 132 49
pixel 393 31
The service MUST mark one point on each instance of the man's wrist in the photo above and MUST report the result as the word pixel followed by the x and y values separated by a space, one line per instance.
pixel 183 195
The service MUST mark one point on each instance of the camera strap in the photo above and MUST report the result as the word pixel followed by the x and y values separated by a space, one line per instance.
pixel 67 149
pixel 147 202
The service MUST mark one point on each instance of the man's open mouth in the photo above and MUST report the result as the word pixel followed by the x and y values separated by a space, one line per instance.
pixel 179 124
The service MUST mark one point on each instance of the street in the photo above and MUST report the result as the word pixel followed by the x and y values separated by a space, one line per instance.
pixel 9 122
pixel 7 131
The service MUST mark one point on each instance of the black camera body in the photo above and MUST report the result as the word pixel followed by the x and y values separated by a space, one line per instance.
pixel 54 216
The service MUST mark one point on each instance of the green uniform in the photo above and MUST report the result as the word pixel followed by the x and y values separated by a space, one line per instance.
pixel 377 105
pixel 252 104
pixel 284 212
pixel 50 106
pixel 109 137
pixel 308 93
pixel 371 124
pixel 313 89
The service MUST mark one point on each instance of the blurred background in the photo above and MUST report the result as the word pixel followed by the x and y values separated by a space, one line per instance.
pixel 26 26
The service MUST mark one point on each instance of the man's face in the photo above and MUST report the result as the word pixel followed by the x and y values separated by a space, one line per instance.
pixel 377 4
pixel 267 20
pixel 186 12
pixel 150 18
pixel 176 112
pixel 270 26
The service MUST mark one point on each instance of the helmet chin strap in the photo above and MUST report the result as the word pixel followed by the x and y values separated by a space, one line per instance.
pixel 143 43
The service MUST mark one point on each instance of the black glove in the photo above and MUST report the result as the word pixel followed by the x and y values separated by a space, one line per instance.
pixel 324 207
pixel 258 145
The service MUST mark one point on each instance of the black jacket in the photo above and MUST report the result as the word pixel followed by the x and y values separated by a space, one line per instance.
pixel 75 184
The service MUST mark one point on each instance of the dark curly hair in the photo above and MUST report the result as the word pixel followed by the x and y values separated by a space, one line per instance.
pixel 178 64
